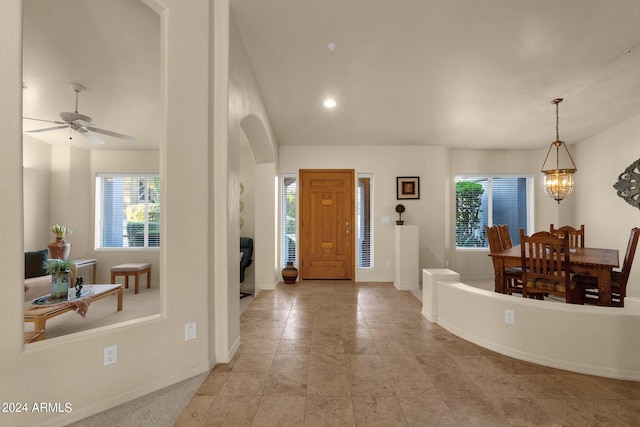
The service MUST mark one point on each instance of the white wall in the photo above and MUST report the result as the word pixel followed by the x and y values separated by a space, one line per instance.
pixel 552 334
pixel 249 122
pixel 387 163
pixel 437 167
pixel 70 368
pixel 37 194
pixel 608 219
pixel 247 178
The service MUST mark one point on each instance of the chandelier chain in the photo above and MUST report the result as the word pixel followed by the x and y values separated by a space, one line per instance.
pixel 557 123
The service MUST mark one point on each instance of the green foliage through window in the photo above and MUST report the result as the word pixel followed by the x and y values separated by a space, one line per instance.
pixel 491 200
pixel 468 208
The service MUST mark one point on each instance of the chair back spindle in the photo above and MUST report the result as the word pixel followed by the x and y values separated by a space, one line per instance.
pixel 505 236
pixel 575 235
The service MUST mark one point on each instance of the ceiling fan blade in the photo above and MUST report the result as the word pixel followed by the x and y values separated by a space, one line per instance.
pixel 82 123
pixel 114 134
pixel 92 137
pixel 48 129
pixel 49 121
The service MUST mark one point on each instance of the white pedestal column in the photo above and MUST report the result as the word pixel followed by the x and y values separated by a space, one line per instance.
pixel 406 272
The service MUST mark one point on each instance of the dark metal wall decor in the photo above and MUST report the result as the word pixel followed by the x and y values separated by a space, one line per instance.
pixel 628 184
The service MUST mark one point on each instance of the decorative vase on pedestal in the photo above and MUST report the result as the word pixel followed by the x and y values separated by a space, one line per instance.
pixel 59 249
pixel 289 274
pixel 60 286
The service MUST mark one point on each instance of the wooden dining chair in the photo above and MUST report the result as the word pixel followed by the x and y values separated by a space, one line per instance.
pixel 545 267
pixel 589 284
pixel 575 235
pixel 512 276
pixel 505 236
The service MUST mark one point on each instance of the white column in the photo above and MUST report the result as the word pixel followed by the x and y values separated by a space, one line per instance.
pixel 406 273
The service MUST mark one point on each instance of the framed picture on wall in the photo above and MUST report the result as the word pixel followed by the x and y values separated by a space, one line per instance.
pixel 408 187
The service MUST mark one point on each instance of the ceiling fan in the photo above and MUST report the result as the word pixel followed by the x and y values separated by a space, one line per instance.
pixel 80 123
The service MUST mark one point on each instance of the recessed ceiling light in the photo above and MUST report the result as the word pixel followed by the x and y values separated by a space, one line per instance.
pixel 330 103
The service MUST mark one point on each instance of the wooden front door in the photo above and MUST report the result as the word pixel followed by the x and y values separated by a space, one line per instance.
pixel 326 228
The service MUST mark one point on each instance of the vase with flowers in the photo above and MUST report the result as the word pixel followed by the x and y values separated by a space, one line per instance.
pixel 60 248
pixel 60 271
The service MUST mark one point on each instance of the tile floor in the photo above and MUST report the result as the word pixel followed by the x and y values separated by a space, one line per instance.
pixel 324 353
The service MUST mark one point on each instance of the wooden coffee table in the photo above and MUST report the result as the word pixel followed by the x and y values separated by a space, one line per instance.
pixel 41 309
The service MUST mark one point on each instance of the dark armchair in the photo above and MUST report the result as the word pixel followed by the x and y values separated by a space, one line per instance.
pixel 246 247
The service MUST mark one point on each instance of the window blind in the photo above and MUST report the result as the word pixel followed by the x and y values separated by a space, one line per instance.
pixel 127 211
pixel 289 218
pixel 364 215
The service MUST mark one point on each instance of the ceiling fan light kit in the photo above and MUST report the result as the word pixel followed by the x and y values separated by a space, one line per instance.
pixel 80 123
pixel 558 182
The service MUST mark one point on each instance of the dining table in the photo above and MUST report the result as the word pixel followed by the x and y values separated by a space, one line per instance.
pixel 595 262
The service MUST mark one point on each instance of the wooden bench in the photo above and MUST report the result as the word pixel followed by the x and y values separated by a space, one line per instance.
pixel 131 269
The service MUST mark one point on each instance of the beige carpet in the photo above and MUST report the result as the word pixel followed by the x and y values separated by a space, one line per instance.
pixel 159 409
pixel 104 312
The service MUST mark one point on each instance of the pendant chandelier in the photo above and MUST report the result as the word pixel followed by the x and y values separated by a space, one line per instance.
pixel 558 182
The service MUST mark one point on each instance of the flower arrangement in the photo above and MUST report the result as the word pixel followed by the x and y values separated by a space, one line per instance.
pixel 60 231
pixel 54 266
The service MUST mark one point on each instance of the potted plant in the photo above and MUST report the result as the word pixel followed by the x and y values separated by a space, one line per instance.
pixel 60 248
pixel 400 209
pixel 60 271
pixel 60 231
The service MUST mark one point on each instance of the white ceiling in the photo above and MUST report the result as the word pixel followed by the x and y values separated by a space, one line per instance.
pixel 110 47
pixel 462 73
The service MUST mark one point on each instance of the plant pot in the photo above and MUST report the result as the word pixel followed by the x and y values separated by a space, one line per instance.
pixel 60 286
pixel 289 274
pixel 59 249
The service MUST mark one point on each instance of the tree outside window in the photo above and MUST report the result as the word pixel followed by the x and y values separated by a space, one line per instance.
pixel 468 208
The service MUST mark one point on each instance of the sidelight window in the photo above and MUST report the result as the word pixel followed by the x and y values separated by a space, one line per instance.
pixel 363 220
pixel 289 218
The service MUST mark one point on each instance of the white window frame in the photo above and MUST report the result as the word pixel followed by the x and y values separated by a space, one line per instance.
pixel 99 212
pixel 530 200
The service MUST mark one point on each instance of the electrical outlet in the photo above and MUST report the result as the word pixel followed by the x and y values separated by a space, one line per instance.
pixel 509 317
pixel 110 355
pixel 190 331
pixel 388 263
